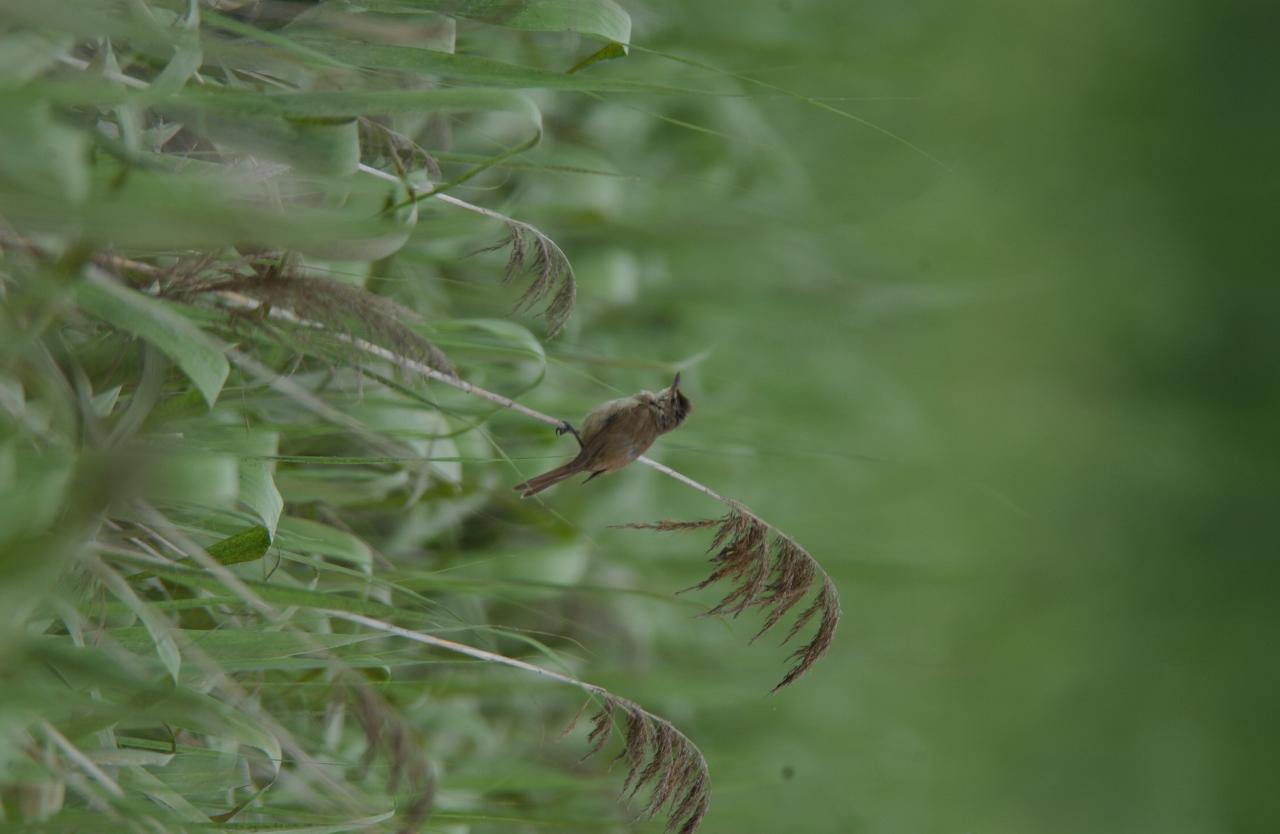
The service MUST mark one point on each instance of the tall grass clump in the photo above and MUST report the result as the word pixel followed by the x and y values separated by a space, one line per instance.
pixel 253 348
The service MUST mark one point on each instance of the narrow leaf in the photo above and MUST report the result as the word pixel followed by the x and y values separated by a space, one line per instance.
pixel 199 357
pixel 603 19
pixel 157 627
pixel 485 71
pixel 257 482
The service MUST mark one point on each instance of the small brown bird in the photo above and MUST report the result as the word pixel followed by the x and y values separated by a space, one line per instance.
pixel 616 433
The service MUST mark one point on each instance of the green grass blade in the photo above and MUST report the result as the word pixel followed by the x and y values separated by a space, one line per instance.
pixel 199 357
pixel 603 19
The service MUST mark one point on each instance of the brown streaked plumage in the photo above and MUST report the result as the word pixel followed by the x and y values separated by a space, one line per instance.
pixel 616 433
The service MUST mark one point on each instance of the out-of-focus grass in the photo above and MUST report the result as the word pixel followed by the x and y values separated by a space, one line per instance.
pixel 1020 407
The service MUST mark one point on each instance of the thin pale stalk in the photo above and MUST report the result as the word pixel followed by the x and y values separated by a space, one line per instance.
pixel 491 657
pixel 462 648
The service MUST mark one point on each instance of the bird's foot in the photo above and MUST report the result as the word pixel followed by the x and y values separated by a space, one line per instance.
pixel 566 427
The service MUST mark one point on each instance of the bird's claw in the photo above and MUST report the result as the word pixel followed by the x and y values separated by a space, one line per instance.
pixel 566 427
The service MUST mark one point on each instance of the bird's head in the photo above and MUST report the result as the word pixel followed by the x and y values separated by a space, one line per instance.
pixel 674 406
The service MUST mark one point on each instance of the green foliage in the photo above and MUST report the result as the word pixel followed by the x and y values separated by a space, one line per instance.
pixel 205 506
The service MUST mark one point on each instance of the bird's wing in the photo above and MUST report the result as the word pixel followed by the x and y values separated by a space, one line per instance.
pixel 600 417
pixel 595 435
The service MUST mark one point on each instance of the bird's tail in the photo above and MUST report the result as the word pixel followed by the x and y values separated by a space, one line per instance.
pixel 538 483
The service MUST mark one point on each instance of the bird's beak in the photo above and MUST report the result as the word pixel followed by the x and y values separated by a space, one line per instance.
pixel 675 383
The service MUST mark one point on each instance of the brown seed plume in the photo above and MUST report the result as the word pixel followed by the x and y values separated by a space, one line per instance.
pixel 658 757
pixel 534 254
pixel 773 575
pixel 339 307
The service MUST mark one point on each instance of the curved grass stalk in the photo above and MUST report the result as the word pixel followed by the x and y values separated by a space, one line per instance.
pixel 657 753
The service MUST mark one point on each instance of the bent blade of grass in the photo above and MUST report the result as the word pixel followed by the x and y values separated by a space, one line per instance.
pixel 256 451
pixel 476 70
pixel 200 357
pixel 353 103
pixel 602 19
pixel 157 627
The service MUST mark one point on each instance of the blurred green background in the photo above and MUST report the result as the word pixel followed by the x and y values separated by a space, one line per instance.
pixel 985 317
pixel 1022 406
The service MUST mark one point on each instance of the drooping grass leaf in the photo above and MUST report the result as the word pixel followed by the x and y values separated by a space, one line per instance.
pixel 40 153
pixel 199 357
pixel 24 55
pixel 150 209
pixel 187 54
pixel 480 71
pixel 257 485
pixel 603 19
pixel 158 631
pixel 312 145
pixel 352 103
